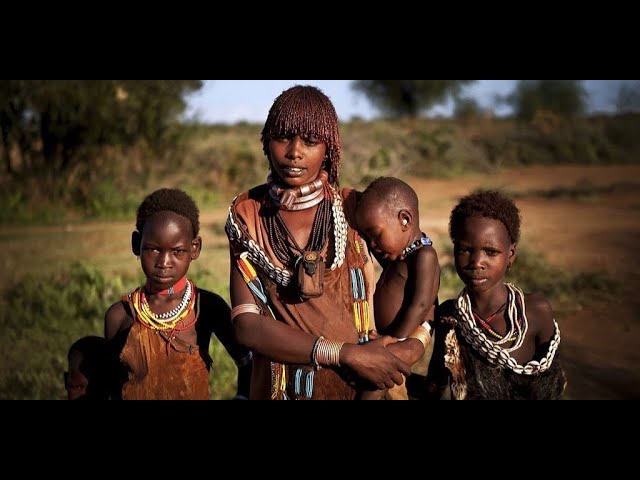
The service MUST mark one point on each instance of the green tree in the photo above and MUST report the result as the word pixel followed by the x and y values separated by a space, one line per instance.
pixel 72 117
pixel 407 98
pixel 628 99
pixel 466 108
pixel 563 97
pixel 16 128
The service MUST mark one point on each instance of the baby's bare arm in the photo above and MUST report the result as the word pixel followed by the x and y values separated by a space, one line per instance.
pixel 424 267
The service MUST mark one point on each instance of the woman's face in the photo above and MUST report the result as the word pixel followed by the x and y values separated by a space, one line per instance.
pixel 297 160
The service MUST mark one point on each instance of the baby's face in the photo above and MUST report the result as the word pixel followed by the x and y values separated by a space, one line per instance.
pixel 383 230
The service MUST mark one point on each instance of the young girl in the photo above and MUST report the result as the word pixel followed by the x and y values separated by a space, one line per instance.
pixel 492 341
pixel 158 335
pixel 301 279
pixel 406 293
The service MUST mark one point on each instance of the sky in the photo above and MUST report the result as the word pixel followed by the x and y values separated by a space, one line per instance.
pixel 232 101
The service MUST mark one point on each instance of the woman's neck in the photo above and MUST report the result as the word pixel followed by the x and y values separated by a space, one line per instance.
pixel 298 198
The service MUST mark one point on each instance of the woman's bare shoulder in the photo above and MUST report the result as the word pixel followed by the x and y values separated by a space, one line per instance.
pixel 350 199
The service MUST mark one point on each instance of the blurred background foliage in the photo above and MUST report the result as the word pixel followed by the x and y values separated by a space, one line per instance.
pixel 74 150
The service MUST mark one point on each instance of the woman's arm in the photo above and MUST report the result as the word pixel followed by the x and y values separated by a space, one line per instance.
pixel 282 343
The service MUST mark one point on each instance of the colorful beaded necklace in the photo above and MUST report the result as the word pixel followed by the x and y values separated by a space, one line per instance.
pixel 423 241
pixel 167 320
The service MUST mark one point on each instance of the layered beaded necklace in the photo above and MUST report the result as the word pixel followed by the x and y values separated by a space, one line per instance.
pixel 306 196
pixel 167 320
pixel 518 325
pixel 284 244
pixel 259 257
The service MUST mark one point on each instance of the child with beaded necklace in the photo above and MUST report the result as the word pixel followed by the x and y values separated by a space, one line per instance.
pixel 492 342
pixel 158 335
pixel 387 217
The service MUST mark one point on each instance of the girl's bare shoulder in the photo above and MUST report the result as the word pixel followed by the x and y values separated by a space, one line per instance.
pixel 539 304
pixel 539 315
pixel 116 319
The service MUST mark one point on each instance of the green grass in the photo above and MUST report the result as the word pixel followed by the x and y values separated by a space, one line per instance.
pixel 43 313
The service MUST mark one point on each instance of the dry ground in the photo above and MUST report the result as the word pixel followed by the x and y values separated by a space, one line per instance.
pixel 599 344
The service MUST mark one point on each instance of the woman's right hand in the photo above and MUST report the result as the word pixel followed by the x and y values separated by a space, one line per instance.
pixel 374 363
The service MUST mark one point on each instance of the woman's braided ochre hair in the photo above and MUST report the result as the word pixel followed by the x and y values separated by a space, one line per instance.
pixel 306 111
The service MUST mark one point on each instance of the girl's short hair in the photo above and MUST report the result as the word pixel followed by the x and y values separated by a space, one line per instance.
pixel 490 204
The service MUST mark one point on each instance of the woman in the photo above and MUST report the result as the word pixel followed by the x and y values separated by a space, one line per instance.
pixel 301 278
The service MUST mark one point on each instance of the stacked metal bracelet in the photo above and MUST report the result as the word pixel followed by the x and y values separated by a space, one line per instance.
pixel 326 352
pixel 422 334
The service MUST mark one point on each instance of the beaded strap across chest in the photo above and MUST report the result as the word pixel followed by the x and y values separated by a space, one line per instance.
pixel 261 260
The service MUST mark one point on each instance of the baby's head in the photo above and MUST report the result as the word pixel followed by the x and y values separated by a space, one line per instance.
pixel 388 216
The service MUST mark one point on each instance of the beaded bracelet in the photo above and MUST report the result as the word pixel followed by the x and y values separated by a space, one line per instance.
pixel 314 352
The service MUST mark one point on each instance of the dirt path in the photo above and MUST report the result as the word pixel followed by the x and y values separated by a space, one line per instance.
pixel 599 345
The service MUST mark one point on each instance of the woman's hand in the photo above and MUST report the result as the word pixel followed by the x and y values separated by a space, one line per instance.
pixel 409 350
pixel 374 363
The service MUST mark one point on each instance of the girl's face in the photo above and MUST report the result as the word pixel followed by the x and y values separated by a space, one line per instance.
pixel 387 236
pixel 296 160
pixel 167 249
pixel 482 251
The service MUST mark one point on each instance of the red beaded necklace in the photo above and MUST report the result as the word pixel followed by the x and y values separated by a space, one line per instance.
pixel 179 286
